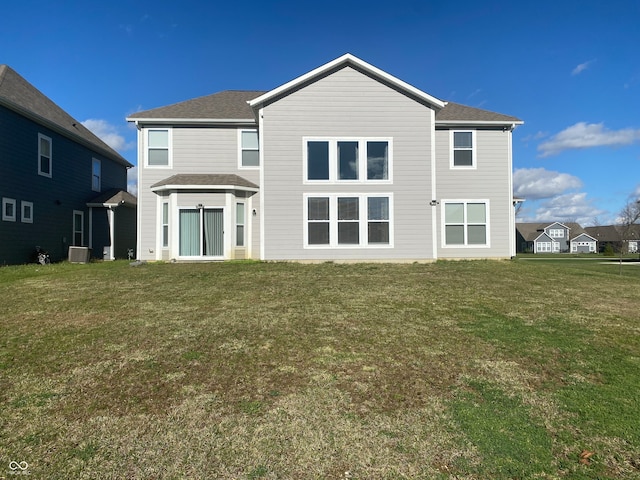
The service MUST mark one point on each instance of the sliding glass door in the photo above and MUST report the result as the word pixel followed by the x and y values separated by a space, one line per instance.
pixel 201 232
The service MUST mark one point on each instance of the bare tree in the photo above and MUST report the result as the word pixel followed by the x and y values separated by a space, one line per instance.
pixel 628 218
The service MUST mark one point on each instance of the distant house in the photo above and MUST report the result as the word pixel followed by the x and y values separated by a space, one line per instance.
pixel 60 185
pixel 613 235
pixel 555 237
pixel 345 162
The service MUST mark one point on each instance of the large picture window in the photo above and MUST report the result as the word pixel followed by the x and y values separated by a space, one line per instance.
pixel 45 156
pixel 348 220
pixel 158 148
pixel 337 160
pixel 466 223
pixel 463 150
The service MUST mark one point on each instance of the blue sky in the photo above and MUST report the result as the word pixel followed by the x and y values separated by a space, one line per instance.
pixel 569 69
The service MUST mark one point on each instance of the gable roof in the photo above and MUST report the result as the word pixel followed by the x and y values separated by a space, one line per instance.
pixel 531 231
pixel 238 106
pixel 113 197
pixel 612 233
pixel 23 98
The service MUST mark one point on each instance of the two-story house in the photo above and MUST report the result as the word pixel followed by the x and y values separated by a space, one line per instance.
pixel 554 237
pixel 345 163
pixel 60 185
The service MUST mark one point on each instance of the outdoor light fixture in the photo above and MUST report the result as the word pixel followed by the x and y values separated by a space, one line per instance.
pixel 199 206
pixel 433 203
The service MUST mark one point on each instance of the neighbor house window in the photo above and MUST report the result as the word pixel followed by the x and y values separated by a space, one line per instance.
pixel 165 224
pixel 45 156
pixel 27 212
pixel 337 160
pixel 463 151
pixel 240 221
pixel 348 221
pixel 158 148
pixel 249 148
pixel 544 246
pixel 556 233
pixel 8 210
pixel 78 228
pixel 465 223
pixel 96 174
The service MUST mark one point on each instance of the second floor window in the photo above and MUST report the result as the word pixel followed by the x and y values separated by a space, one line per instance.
pixel 249 148
pixel 463 154
pixel 45 157
pixel 347 160
pixel 158 148
pixel 96 174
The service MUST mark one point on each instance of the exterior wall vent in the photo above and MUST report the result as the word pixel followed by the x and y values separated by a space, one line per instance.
pixel 79 254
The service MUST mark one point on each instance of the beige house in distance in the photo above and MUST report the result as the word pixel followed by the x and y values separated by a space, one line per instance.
pixel 344 163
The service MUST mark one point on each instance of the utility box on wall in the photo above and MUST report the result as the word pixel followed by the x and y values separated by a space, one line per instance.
pixel 79 254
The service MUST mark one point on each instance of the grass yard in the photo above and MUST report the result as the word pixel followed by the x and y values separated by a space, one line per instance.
pixel 467 370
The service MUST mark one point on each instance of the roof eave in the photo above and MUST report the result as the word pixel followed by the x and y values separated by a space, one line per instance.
pixel 64 132
pixel 191 121
pixel 345 59
pixel 493 123
pixel 164 188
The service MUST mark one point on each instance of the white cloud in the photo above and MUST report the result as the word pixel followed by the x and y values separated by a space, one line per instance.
pixel 132 181
pixel 539 183
pixel 587 135
pixel 582 67
pixel 574 207
pixel 109 134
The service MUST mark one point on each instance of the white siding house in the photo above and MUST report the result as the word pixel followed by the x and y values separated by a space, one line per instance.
pixel 345 162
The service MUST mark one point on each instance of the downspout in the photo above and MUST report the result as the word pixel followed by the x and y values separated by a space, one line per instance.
pixel 434 202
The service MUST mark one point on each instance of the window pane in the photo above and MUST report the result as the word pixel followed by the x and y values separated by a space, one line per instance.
pixel 378 232
pixel 377 160
pixel 158 157
pixel 8 209
pixel 250 158
pixel 165 235
pixel 348 209
pixel 462 140
pixel 476 213
pixel 348 160
pixel 477 235
pixel 158 138
pixel 45 165
pixel 239 235
pixel 318 209
pixel 318 160
pixel 349 233
pixel 454 235
pixel 26 212
pixel 250 140
pixel 319 233
pixel 45 147
pixel 77 222
pixel 165 213
pixel 240 213
pixel 378 208
pixel 454 213
pixel 463 158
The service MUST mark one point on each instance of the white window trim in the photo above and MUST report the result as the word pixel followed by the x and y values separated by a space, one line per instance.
pixel 74 231
pixel 94 162
pixel 240 149
pixel 26 218
pixel 40 172
pixel 165 204
pixel 244 225
pixel 146 148
pixel 5 202
pixel 363 221
pixel 474 150
pixel 333 160
pixel 179 208
pixel 465 201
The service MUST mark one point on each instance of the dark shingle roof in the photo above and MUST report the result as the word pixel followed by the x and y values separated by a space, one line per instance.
pixel 114 196
pixel 531 231
pixel 20 96
pixel 206 180
pixel 226 105
pixel 454 112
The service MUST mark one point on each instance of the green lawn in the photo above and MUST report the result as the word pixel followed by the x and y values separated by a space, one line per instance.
pixel 465 370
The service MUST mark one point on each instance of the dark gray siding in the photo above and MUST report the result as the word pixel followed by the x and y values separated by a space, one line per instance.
pixel 54 199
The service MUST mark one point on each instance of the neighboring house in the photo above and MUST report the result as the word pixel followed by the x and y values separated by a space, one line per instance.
pixel 613 235
pixel 344 163
pixel 553 237
pixel 60 185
